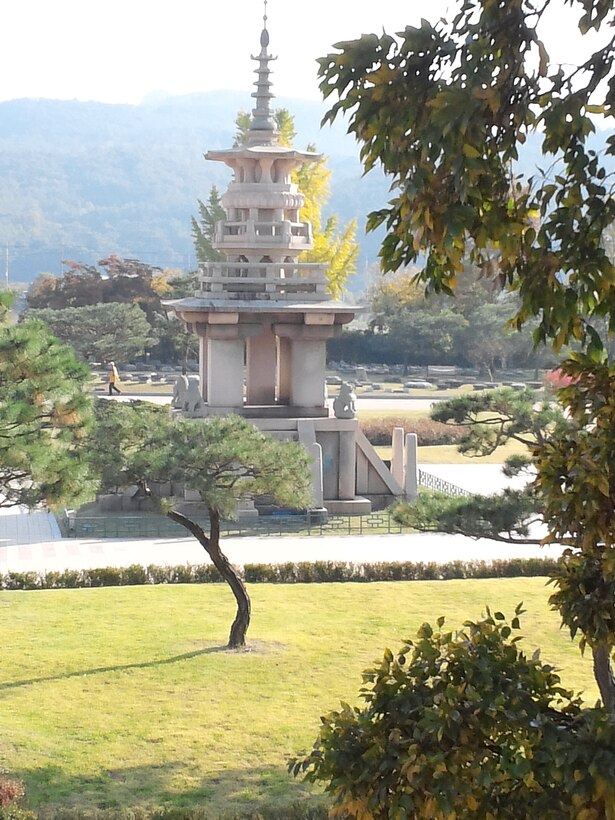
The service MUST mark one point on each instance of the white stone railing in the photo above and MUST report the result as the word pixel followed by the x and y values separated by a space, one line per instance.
pixel 251 233
pixel 286 281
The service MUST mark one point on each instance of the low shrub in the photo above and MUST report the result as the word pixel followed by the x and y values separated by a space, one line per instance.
pixel 464 724
pixel 303 572
pixel 11 795
pixel 379 431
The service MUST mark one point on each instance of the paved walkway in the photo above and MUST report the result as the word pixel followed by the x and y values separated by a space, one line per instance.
pixel 80 553
pixel 32 541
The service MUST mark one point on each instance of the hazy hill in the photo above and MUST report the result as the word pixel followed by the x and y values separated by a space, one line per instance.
pixel 83 180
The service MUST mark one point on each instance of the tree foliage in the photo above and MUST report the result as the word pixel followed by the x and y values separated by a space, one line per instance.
pixel 576 478
pixel 112 331
pixel 119 433
pixel 204 229
pixel 466 725
pixel 44 417
pixel 506 518
pixel 223 459
pixel 444 109
pixel 491 419
pixel 572 493
pixel 113 281
pixel 472 329
pixel 425 335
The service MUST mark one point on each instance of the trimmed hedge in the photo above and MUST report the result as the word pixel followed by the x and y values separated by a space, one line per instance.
pixel 379 431
pixel 305 572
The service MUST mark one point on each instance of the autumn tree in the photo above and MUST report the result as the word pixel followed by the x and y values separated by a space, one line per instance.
pixel 444 108
pixel 44 417
pixel 115 281
pixel 223 459
pixel 470 329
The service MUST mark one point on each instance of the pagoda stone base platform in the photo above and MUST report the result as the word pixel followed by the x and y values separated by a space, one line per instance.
pixel 355 506
pixel 275 411
pixel 351 478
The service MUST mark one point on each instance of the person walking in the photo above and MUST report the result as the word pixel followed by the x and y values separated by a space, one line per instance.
pixel 113 378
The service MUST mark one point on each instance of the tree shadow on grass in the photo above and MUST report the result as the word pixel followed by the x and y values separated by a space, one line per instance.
pixel 117 668
pixel 160 791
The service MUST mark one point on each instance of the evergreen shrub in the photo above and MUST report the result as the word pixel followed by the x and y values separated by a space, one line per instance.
pixel 304 572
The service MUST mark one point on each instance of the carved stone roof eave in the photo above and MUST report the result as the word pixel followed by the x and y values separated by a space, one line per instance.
pixel 197 303
pixel 253 151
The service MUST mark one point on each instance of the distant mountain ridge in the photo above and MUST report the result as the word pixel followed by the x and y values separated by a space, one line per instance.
pixel 81 180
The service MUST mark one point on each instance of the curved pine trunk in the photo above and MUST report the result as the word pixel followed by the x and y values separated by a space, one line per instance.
pixel 603 672
pixel 211 545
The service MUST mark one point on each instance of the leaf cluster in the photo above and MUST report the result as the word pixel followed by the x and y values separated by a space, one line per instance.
pixel 465 725
pixel 443 108
pixel 113 331
pixel 506 517
pixel 108 301
pixel 492 418
pixel 223 459
pixel 577 481
pixel 204 229
pixel 44 419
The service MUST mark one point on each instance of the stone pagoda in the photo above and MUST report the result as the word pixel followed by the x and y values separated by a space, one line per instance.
pixel 263 317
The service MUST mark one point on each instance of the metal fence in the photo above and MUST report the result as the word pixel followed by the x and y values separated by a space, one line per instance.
pixel 151 525
pixel 159 526
pixel 434 482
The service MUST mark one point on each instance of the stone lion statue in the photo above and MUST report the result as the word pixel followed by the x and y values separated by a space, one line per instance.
pixel 344 404
pixel 187 396
pixel 180 389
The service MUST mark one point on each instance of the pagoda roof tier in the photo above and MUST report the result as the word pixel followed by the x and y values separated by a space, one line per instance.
pixel 340 311
pixel 228 155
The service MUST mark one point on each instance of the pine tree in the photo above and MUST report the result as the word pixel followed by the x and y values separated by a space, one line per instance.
pixel 44 417
pixel 204 229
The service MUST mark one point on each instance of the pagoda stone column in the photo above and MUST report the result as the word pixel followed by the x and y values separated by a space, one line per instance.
pixel 225 372
pixel 261 368
pixel 226 345
pixel 203 358
pixel 308 373
pixel 347 465
pixel 308 355
pixel 284 370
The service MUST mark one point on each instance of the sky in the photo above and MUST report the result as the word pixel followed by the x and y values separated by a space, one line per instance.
pixel 122 51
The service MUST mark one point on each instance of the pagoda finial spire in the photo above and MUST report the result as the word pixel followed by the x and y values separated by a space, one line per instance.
pixel 262 129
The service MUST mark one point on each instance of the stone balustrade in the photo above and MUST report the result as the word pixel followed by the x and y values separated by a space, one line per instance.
pixel 286 234
pixel 267 282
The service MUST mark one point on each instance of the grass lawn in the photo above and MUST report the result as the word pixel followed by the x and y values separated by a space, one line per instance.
pixel 448 454
pixel 123 697
pixel 365 415
pixel 136 388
